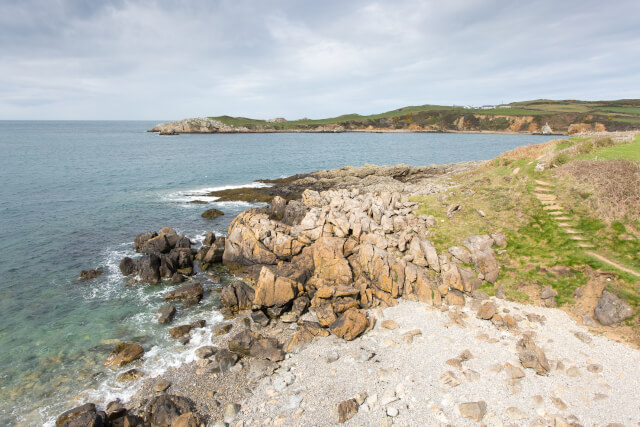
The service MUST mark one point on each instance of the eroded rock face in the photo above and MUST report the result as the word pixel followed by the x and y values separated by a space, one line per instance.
pixel 611 309
pixel 237 296
pixel 272 290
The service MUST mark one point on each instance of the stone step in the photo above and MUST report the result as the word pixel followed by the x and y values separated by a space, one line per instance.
pixel 563 218
pixel 548 202
pixel 541 189
pixel 542 183
pixel 546 196
pixel 578 238
pixel 554 213
pixel 552 208
pixel 563 224
pixel 570 231
pixel 516 170
pixel 586 245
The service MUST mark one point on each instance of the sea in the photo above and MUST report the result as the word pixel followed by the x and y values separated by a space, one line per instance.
pixel 73 196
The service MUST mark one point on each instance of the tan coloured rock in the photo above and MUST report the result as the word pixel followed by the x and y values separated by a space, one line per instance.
pixel 329 261
pixel 123 354
pixel 531 356
pixel 350 324
pixel 486 311
pixel 273 291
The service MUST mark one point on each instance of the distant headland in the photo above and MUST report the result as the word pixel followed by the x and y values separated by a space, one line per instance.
pixel 531 117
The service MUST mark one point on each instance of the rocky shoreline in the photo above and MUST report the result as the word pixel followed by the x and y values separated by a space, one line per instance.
pixel 341 296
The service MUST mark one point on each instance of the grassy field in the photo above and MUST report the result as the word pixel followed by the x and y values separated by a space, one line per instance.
pixel 615 115
pixel 505 189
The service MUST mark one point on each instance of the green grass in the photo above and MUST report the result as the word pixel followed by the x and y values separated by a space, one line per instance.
pixel 627 110
pixel 628 151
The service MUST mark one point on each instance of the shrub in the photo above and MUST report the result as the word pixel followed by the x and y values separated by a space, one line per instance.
pixel 561 159
pixel 585 147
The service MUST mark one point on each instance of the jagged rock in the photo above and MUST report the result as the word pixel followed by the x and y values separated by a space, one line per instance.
pixel 454 297
pixel 611 309
pixel 350 324
pixel 140 241
pixel 123 354
pixel 80 416
pixel 242 246
pixel 453 209
pixel 128 266
pixel 213 254
pixel 486 311
pixel 273 291
pixel 483 257
pixel 167 313
pixel 531 356
pixel 89 274
pixel 189 419
pixel 329 261
pixel 164 410
pixel 161 386
pixel 212 213
pixel 209 238
pixel 189 294
pixel 345 410
pixel 259 318
pixel 222 328
pixel 461 254
pixel 180 331
pixel 278 208
pixel 205 352
pixel 249 343
pixel 237 296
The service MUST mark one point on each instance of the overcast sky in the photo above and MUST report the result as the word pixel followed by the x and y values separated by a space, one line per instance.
pixel 157 60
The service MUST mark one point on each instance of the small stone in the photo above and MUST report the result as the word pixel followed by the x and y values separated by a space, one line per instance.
pixel 409 336
pixel 361 397
pixel 516 414
pixel 449 379
pixel 574 372
pixel 600 396
pixel 230 412
pixel 473 410
pixel 538 400
pixel 389 324
pixel 486 311
pixel 500 292
pixel 332 356
pixel 161 386
pixel 558 403
pixel 456 363
pixel 345 410
pixel 548 292
pixel 513 372
pixel 585 338
pixel 594 368
pixel 465 355
pixel 167 313
pixel 471 375
pixel 392 412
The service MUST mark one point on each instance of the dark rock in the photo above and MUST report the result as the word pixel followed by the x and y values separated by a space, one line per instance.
pixel 222 328
pixel 209 239
pixel 300 305
pixel 241 342
pixel 164 410
pixel 206 351
pixel 190 293
pixel 258 317
pixel 532 356
pixel 278 207
pixel 177 278
pixel 225 359
pixel 157 245
pixel 89 274
pixel 128 266
pixel 141 240
pixel 127 421
pixel 167 313
pixel 149 268
pixel 124 353
pixel 212 213
pixel 199 323
pixel 267 348
pixel 115 410
pixel 345 410
pixel 130 375
pixel 611 309
pixel 183 242
pixel 237 296
pixel 67 417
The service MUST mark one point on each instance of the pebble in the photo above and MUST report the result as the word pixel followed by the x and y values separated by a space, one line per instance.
pixel 332 356
pixel 390 324
pixel 161 386
pixel 230 412
pixel 392 412
pixel 574 372
pixel 516 414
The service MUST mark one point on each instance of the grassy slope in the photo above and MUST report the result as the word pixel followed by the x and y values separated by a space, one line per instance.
pixel 536 242
pixel 608 112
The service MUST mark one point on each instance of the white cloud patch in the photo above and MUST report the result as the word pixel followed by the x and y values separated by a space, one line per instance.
pixel 160 59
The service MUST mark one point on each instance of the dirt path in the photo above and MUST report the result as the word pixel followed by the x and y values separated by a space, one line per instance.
pixel 613 264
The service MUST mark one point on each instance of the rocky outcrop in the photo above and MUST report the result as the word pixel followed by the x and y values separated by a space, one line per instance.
pixel 89 274
pixel 164 410
pixel 167 253
pixel 237 296
pixel 196 125
pixel 249 343
pixel 189 294
pixel 346 251
pixel 84 415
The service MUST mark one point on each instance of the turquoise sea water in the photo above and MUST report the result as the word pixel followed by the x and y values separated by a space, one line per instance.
pixel 73 195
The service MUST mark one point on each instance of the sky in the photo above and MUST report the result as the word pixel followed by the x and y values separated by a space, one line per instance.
pixel 169 59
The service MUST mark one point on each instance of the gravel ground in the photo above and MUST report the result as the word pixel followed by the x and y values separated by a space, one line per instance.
pixel 591 383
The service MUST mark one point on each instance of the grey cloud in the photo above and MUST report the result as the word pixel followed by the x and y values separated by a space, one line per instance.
pixel 162 59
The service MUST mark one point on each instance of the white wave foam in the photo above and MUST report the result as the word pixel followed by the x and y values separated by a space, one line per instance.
pixel 202 193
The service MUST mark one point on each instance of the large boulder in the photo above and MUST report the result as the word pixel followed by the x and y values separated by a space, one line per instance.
pixel 141 240
pixel 81 416
pixel 611 309
pixel 123 354
pixel 350 324
pixel 213 254
pixel 237 296
pixel 158 245
pixel 483 256
pixel 189 294
pixel 249 343
pixel 164 410
pixel 212 213
pixel 244 245
pixel 128 266
pixel 148 268
pixel 274 291
pixel 384 271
